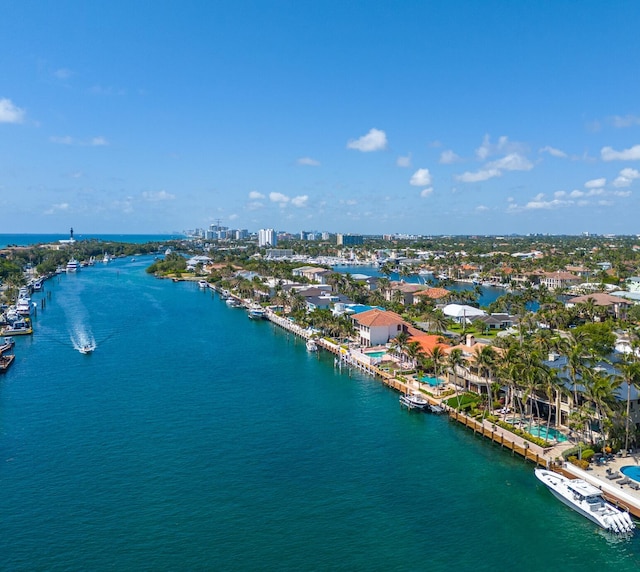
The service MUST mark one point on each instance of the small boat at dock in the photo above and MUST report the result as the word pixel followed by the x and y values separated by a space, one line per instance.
pixel 257 312
pixel 7 344
pixel 18 328
pixel 233 303
pixel 414 401
pixel 203 284
pixel 587 500
pixel 311 345
pixel 5 362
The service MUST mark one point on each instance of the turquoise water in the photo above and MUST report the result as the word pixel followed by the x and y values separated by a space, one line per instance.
pixel 542 432
pixel 29 239
pixel 376 354
pixel 196 439
pixel 631 471
pixel 433 381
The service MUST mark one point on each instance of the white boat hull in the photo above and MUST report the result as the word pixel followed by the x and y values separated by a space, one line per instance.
pixel 586 500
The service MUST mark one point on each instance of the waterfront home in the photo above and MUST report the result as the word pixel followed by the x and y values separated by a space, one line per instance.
pixel 614 305
pixel 497 321
pixel 436 294
pixel 312 273
pixel 377 327
pixel 403 292
pixel 559 279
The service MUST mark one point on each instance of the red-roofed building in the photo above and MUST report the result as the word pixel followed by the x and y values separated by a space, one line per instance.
pixel 376 327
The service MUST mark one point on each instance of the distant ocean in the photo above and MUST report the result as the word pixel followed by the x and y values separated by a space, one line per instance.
pixel 194 438
pixel 29 239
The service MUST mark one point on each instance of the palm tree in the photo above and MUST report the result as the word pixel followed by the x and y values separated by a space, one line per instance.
pixel 414 351
pixel 484 360
pixel 629 372
pixel 455 360
pixel 400 343
pixel 437 355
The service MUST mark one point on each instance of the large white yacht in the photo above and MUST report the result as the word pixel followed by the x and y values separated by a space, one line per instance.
pixel 587 500
pixel 414 401
pixel 73 265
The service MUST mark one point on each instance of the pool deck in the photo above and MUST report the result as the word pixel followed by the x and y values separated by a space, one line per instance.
pixel 620 494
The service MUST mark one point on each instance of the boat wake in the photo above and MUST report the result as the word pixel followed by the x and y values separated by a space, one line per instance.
pixel 83 340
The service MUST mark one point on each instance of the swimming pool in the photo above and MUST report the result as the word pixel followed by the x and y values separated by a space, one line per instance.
pixel 631 471
pixel 432 381
pixel 541 431
pixel 376 354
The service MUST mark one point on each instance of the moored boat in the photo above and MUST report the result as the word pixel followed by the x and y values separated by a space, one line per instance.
pixel 257 312
pixel 7 344
pixel 414 401
pixel 18 328
pixel 232 303
pixel 5 362
pixel 311 345
pixel 587 500
pixel 72 265
pixel 203 284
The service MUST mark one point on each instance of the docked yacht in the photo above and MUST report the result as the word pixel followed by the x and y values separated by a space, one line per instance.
pixel 73 265
pixel 203 284
pixel 233 303
pixel 257 312
pixel 23 306
pixel 311 345
pixel 586 499
pixel 18 328
pixel 414 401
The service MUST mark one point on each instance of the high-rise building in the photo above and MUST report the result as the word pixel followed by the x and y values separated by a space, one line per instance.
pixel 349 239
pixel 267 237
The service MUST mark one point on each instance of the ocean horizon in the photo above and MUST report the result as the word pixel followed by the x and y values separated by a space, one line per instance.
pixel 195 438
pixel 43 238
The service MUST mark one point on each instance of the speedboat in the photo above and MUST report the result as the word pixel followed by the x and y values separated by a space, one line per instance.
pixel 311 345
pixel 86 349
pixel 587 500
pixel 414 401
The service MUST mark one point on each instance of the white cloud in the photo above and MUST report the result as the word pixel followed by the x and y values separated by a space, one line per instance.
pixel 621 193
pixel 255 205
pixel 98 142
pixel 625 121
pixel 308 161
pixel 487 148
pixel 447 157
pixel 53 209
pixel 626 177
pixel 66 140
pixel 553 152
pixel 10 113
pixel 511 162
pixel 233 217
pixel 279 198
pixel 404 161
pixel 477 176
pixel 157 196
pixel 300 201
pixel 424 193
pixel 610 154
pixel 482 208
pixel 256 196
pixel 63 73
pixel 421 178
pixel 375 140
pixel 596 183
pixel 576 194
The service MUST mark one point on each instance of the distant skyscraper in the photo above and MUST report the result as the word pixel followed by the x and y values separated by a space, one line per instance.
pixel 267 237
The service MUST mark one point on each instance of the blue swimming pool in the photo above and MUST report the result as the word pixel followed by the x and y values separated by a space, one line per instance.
pixel 376 354
pixel 541 431
pixel 631 471
pixel 433 381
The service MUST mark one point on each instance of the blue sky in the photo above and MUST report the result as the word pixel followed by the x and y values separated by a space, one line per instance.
pixel 449 117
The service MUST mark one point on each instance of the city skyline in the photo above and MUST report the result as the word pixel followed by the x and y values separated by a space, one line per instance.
pixel 420 118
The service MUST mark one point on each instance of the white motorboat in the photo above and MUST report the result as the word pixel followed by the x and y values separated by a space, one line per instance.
pixel 414 401
pixel 86 349
pixel 23 306
pixel 233 303
pixel 587 500
pixel 203 284
pixel 311 345
pixel 73 265
pixel 257 312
